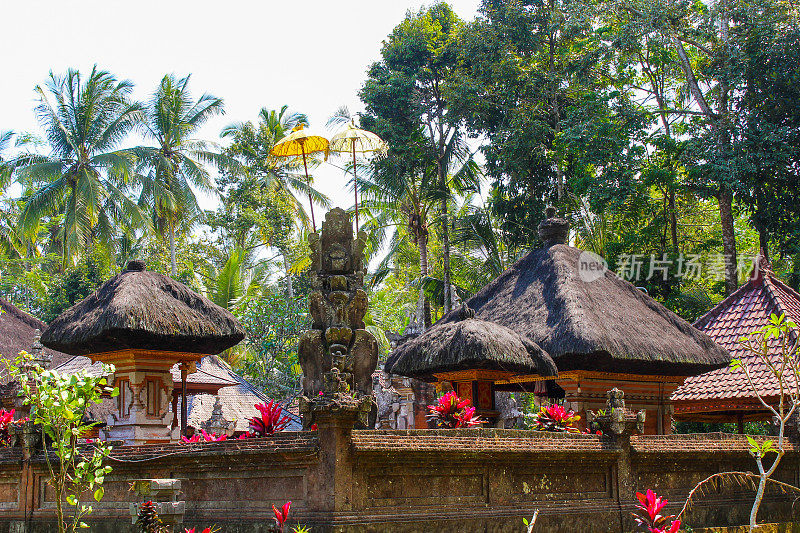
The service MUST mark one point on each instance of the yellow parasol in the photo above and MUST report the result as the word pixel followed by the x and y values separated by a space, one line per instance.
pixel 355 140
pixel 301 142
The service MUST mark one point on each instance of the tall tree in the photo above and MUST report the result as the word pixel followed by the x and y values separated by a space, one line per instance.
pixel 418 61
pixel 261 198
pixel 84 178
pixel 176 164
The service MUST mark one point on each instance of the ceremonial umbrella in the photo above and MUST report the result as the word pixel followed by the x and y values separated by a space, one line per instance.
pixel 355 140
pixel 302 143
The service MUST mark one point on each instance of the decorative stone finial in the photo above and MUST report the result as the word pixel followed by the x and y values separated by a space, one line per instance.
pixel 38 355
pixel 553 230
pixel 135 265
pixel 338 355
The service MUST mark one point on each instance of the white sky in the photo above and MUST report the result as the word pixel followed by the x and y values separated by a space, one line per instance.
pixel 311 55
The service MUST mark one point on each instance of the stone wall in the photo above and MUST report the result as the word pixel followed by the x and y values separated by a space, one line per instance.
pixel 412 481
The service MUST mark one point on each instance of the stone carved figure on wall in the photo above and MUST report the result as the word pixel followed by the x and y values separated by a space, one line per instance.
pixel 338 355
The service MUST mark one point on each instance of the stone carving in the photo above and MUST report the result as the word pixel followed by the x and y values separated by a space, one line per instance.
pixel 338 355
pixel 615 419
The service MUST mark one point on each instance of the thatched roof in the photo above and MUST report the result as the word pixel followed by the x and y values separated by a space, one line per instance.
pixel 590 319
pixel 469 343
pixel 144 310
pixel 17 331
pixel 605 324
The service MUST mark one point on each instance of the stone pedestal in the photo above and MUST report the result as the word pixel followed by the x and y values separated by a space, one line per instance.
pixel 164 494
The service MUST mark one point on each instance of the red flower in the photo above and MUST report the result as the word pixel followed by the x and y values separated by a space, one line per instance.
pixel 204 437
pixel 648 514
pixel 272 419
pixel 313 427
pixel 453 412
pixel 281 515
pixel 556 418
pixel 650 503
pixel 206 530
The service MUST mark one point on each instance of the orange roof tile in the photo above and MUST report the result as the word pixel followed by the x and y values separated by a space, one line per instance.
pixel 747 309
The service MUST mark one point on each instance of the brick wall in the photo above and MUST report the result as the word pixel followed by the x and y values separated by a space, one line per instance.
pixel 413 481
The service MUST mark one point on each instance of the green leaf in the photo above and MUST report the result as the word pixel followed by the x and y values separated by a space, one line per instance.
pixel 72 500
pixel 98 494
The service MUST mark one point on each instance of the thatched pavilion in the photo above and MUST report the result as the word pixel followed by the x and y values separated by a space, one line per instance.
pixel 471 355
pixel 724 395
pixel 601 331
pixel 144 323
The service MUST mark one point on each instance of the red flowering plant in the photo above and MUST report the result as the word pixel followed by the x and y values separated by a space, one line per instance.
pixel 453 412
pixel 7 425
pixel 281 515
pixel 271 420
pixel 648 514
pixel 204 437
pixel 557 419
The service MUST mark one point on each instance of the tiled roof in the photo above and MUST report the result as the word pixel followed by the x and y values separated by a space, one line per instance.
pixel 747 309
pixel 237 396
pixel 238 401
pixel 701 442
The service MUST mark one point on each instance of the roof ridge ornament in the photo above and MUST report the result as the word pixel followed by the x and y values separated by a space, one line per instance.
pixel 135 265
pixel 465 312
pixel 761 266
pixel 553 229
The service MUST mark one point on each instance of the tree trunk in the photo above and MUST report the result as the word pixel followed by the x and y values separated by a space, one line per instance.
pixel 673 220
pixel 446 252
pixel 423 306
pixel 174 268
pixel 725 199
pixel 289 287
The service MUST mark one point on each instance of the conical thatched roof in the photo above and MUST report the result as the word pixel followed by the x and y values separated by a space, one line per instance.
pixel 469 343
pixel 587 318
pixel 603 324
pixel 144 310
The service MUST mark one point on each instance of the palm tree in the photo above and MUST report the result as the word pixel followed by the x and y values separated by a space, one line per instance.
pixel 403 200
pixel 170 169
pixel 279 179
pixel 83 177
pixel 252 144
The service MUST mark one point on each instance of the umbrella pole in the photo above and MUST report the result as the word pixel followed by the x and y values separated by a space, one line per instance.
pixel 310 201
pixel 355 185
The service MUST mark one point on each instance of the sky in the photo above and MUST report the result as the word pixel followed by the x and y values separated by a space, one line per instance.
pixel 311 55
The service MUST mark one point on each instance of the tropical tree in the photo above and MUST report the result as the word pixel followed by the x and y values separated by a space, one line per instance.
pixel 84 178
pixel 170 169
pixel 261 199
pixel 407 92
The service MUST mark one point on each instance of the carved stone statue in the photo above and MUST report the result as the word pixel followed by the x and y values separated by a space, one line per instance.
pixel 338 355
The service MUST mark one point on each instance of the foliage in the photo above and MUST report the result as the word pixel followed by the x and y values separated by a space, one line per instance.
pixel 557 419
pixel 7 426
pixel 281 515
pixel 785 371
pixel 750 428
pixel 453 412
pixel 84 179
pixel 271 420
pixel 75 284
pixel 59 404
pixel 148 520
pixel 273 324
pixel 170 170
pixel 648 517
